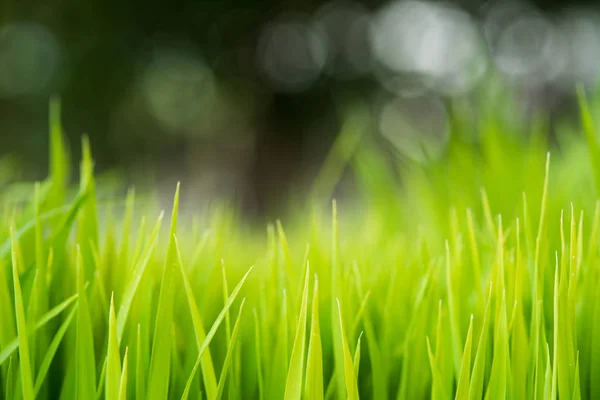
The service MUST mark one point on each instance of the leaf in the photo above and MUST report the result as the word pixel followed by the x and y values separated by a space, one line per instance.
pixel 140 382
pixel 229 355
pixel 50 315
pixel 462 391
pixel 350 379
pixel 123 380
pixel 159 372
pixel 211 333
pixel 314 364
pixel 52 348
pixel 135 279
pixel 24 357
pixel 357 357
pixel 113 366
pixel 293 385
pixel 208 371
pixel 59 156
pixel 476 387
pixel 85 363
pixel 9 391
pixel 497 387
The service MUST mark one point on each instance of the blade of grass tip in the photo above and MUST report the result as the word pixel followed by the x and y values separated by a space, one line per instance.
pixel 462 391
pixel 84 345
pixel 9 391
pixel 338 349
pixel 350 379
pixel 548 392
pixel 439 390
pixel 258 352
pixel 360 312
pixel 87 219
pixel 123 380
pixel 357 356
pixel 476 387
pixel 474 256
pixel 538 272
pixel 59 156
pixel 140 382
pixel 589 131
pixel 213 330
pixel 497 386
pixel 24 357
pixel 54 312
pixel 229 354
pixel 293 384
pixel 119 275
pixel 159 370
pixel 453 311
pixel 136 278
pixel 113 365
pixel 52 349
pixel 208 370
pixel 289 275
pixel 314 364
pixel 487 213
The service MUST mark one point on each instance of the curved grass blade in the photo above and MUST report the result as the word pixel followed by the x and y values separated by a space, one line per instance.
pixel 293 385
pixel 113 365
pixel 135 279
pixel 85 365
pixel 159 370
pixel 462 391
pixel 24 356
pixel 211 333
pixel 123 380
pixel 208 370
pixel 229 355
pixel 350 379
pixel 54 312
pixel 476 387
pixel 51 352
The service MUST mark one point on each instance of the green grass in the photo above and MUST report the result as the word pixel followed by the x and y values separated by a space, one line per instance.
pixel 472 275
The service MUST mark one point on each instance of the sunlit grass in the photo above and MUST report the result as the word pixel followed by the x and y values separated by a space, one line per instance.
pixel 474 275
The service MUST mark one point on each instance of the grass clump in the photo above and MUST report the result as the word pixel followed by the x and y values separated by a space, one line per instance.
pixel 474 275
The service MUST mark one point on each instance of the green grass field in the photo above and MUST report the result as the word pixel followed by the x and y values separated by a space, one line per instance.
pixel 472 275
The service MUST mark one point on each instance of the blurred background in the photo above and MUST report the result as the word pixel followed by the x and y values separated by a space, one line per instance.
pixel 245 98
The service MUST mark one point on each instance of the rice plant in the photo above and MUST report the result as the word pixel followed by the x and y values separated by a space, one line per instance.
pixel 473 275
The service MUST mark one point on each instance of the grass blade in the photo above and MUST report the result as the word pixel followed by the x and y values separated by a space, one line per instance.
pixel 350 379
pixel 113 366
pixel 229 355
pixel 293 385
pixel 24 356
pixel 213 330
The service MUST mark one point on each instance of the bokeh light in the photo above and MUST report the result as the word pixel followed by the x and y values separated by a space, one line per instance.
pixel 524 43
pixel 292 53
pixel 178 87
pixel 347 27
pixel 436 42
pixel 30 58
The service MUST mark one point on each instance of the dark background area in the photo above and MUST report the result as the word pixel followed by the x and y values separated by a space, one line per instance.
pixel 177 90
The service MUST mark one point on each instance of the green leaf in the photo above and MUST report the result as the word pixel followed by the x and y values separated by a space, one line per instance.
pixel 293 385
pixel 24 356
pixel 314 364
pixel 9 391
pixel 159 371
pixel 50 315
pixel 136 277
pixel 476 387
pixel 113 366
pixel 229 355
pixel 208 370
pixel 123 380
pixel 52 349
pixel 350 379
pixel 85 372
pixel 462 391
pixel 211 333
pixel 59 157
